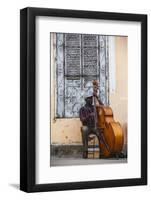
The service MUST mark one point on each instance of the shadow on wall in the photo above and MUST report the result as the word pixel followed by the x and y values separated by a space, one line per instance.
pixel 124 127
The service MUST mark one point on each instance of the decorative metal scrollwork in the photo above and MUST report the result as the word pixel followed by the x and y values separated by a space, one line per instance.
pixel 80 58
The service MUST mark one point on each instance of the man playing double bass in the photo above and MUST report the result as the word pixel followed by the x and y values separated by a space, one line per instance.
pixel 88 119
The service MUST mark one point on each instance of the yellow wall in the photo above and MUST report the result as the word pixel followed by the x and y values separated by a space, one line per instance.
pixel 67 131
pixel 119 99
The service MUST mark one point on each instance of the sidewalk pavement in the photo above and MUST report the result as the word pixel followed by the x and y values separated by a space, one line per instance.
pixel 69 161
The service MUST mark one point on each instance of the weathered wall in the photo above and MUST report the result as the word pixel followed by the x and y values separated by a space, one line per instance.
pixel 67 131
pixel 118 99
pixel 63 131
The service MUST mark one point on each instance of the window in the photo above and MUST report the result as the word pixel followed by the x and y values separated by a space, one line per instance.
pixel 80 58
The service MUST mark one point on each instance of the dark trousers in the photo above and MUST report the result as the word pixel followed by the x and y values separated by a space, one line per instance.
pixel 85 133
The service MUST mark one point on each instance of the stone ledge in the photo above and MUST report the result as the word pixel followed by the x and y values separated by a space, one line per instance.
pixel 74 151
pixel 66 150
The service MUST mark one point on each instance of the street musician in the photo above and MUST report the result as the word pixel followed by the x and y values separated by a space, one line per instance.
pixel 87 117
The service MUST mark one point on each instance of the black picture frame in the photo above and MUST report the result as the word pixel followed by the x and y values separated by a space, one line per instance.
pixel 28 98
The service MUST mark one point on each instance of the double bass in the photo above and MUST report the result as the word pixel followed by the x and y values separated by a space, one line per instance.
pixel 112 137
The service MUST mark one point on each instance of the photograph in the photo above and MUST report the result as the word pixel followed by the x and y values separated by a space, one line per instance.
pixel 89 98
pixel 83 95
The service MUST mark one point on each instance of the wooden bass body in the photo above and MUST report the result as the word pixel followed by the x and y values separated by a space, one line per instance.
pixel 111 131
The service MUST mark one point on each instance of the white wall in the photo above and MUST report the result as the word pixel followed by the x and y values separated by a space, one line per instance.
pixel 9 99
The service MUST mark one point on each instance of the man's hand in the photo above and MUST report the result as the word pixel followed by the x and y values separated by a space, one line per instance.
pixel 94 94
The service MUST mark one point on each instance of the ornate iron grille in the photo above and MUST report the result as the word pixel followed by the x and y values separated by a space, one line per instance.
pixel 80 58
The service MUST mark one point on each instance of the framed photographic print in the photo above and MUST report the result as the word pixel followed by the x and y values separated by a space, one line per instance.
pixel 83 99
